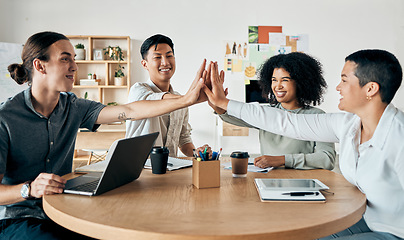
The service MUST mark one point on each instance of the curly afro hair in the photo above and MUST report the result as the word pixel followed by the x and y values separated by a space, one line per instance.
pixel 303 69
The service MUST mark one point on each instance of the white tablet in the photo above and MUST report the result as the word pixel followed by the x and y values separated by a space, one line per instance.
pixel 290 184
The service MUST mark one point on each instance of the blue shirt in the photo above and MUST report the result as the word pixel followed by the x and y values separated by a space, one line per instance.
pixel 31 143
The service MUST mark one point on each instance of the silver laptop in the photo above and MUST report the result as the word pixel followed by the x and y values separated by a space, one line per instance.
pixel 126 159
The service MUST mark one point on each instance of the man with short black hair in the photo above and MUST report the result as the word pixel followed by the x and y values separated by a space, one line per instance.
pixel 175 132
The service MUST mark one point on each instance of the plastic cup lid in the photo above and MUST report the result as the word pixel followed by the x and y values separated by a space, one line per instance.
pixel 160 150
pixel 239 154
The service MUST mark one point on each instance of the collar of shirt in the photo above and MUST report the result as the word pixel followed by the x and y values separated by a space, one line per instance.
pixel 28 102
pixel 379 137
pixel 297 110
pixel 156 89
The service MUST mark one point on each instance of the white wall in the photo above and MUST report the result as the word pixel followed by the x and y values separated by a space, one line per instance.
pixel 198 29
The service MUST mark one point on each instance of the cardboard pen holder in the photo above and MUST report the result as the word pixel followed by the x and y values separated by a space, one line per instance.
pixel 206 174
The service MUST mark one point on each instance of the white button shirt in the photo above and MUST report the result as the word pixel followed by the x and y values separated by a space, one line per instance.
pixel 376 167
pixel 173 127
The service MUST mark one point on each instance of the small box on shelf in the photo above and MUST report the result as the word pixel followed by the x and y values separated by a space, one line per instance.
pixel 89 82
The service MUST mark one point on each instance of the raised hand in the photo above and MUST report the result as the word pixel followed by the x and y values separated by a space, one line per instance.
pixel 216 95
pixel 209 85
pixel 195 93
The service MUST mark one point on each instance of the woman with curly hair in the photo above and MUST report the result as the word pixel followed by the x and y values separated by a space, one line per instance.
pixel 291 82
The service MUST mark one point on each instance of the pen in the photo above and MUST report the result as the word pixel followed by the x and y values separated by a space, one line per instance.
pixel 194 151
pixel 218 154
pixel 201 155
pixel 301 193
pixel 205 156
pixel 214 155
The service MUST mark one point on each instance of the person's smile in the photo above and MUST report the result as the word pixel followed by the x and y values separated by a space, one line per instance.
pixel 165 70
pixel 341 98
pixel 70 77
pixel 280 94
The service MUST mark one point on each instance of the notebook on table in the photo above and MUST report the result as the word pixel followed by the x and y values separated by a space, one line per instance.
pixel 302 190
pixel 124 163
pixel 172 163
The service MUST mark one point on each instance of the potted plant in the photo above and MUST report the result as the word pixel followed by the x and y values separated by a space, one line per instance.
pixel 114 53
pixel 80 51
pixel 119 77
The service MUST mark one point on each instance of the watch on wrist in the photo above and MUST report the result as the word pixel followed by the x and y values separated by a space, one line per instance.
pixel 26 190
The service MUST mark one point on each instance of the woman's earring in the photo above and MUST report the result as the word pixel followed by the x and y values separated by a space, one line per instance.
pixel 368 98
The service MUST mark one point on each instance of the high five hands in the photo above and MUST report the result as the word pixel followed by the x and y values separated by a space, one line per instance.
pixel 213 89
pixel 208 86
pixel 195 93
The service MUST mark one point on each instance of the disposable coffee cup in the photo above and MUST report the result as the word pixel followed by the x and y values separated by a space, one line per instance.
pixel 239 163
pixel 159 158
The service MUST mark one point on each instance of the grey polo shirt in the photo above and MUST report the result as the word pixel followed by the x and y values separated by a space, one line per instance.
pixel 31 143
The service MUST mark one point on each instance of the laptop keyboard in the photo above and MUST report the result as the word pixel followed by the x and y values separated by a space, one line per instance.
pixel 87 187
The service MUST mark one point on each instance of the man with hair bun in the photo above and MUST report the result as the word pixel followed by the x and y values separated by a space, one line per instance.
pixel 38 129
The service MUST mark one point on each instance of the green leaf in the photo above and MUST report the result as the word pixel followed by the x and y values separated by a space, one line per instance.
pixel 253 38
pixel 79 46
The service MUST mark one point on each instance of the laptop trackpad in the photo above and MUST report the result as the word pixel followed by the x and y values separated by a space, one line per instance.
pixel 86 178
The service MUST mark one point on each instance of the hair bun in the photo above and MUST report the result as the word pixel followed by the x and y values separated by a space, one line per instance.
pixel 18 73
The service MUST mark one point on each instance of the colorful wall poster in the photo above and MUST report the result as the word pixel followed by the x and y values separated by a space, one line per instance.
pixel 237 65
pixel 228 64
pixel 250 70
pixel 302 44
pixel 253 34
pixel 264 30
pixel 236 50
pixel 283 49
pixel 263 42
pixel 259 53
pixel 291 41
pixel 233 65
pixel 278 39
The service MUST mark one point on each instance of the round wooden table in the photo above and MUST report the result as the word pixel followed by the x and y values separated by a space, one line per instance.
pixel 168 207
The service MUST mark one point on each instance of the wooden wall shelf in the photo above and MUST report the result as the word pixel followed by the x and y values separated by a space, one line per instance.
pixel 105 68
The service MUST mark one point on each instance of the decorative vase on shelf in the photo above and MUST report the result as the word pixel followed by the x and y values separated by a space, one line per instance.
pixel 119 81
pixel 80 54
pixel 80 51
